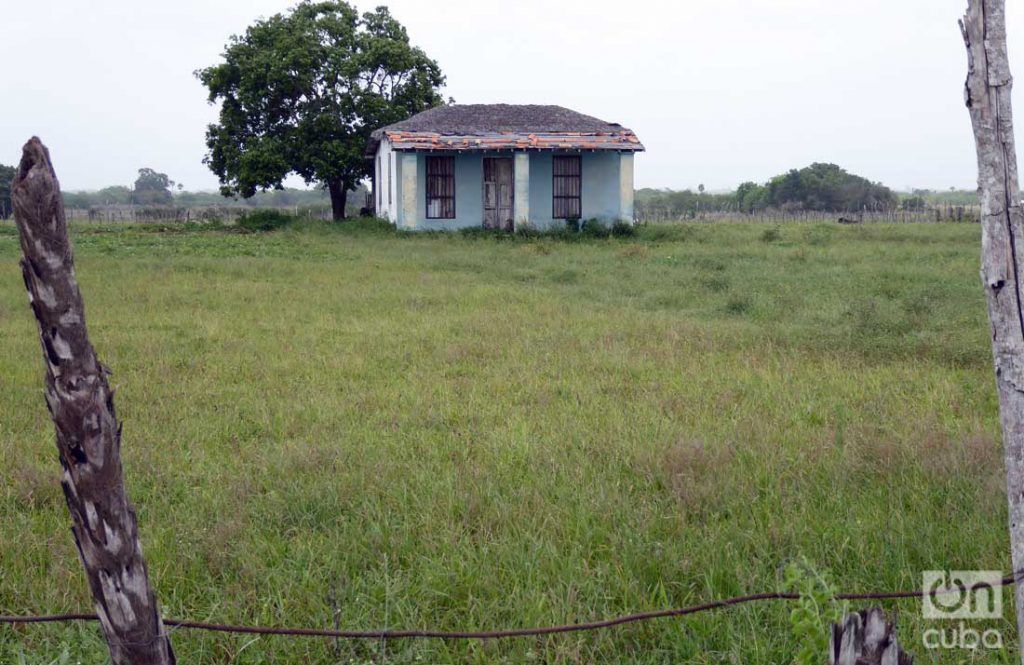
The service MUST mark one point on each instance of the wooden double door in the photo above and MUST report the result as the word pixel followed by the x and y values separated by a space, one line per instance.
pixel 498 193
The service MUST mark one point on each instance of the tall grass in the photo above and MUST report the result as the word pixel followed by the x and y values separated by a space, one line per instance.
pixel 342 423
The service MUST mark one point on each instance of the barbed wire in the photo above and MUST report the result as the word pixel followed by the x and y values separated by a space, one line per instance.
pixel 513 632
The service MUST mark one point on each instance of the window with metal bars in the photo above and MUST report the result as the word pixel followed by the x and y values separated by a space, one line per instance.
pixel 440 188
pixel 566 187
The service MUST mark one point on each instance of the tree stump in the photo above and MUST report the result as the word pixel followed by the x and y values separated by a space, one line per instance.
pixel 866 638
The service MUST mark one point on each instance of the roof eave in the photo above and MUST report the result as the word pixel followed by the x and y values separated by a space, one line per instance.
pixel 623 140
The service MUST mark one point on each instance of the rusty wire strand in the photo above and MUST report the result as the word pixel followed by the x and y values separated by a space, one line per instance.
pixel 515 632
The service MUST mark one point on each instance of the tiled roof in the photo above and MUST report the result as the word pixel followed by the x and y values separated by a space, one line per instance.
pixel 504 127
pixel 513 141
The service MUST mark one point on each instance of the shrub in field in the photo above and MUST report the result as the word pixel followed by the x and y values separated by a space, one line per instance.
pixel 372 225
pixel 739 305
pixel 195 226
pixel 478 232
pixel 263 220
pixel 595 228
pixel 623 229
pixel 665 232
pixel 527 230
pixel 812 617
pixel 716 283
pixel 560 232
pixel 571 230
pixel 773 234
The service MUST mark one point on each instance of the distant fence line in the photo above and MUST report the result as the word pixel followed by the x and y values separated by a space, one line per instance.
pixel 945 213
pixel 182 214
pixel 644 214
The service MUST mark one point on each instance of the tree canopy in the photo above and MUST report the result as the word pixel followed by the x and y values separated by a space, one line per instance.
pixel 6 178
pixel 828 187
pixel 301 92
pixel 152 187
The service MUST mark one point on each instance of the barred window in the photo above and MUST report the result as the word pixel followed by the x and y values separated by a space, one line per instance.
pixel 440 188
pixel 566 187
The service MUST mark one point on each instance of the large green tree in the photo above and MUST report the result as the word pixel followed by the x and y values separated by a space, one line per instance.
pixel 6 177
pixel 301 92
pixel 829 187
pixel 152 187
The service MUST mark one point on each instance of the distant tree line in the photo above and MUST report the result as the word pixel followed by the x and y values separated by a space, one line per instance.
pixel 6 178
pixel 919 199
pixel 121 195
pixel 152 188
pixel 819 187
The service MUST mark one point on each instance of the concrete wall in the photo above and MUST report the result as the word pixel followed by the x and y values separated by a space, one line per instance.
pixel 626 189
pixel 521 189
pixel 605 176
pixel 407 181
pixel 541 204
pixel 469 194
pixel 599 193
pixel 386 195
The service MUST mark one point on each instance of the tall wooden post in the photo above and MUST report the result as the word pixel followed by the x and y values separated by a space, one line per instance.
pixel 81 404
pixel 987 94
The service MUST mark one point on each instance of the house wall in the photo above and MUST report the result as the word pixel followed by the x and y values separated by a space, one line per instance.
pixel 469 194
pixel 604 178
pixel 599 187
pixel 626 189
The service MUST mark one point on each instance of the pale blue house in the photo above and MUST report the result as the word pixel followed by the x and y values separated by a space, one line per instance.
pixel 502 166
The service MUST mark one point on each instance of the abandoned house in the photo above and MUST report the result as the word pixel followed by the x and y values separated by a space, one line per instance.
pixel 502 166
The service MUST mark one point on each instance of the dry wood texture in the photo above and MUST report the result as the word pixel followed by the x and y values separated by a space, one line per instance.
pixel 987 93
pixel 88 432
pixel 866 638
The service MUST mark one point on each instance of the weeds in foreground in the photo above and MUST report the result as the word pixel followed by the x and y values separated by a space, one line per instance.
pixel 813 615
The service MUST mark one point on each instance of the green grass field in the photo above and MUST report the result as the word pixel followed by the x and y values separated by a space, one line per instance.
pixel 351 426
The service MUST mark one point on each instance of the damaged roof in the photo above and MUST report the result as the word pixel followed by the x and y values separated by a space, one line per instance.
pixel 503 127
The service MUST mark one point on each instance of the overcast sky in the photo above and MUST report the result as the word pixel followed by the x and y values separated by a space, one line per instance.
pixel 719 92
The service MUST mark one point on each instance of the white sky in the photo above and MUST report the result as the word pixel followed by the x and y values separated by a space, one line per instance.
pixel 719 92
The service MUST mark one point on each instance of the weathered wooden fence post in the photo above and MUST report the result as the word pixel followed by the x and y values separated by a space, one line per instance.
pixel 987 93
pixel 866 638
pixel 88 432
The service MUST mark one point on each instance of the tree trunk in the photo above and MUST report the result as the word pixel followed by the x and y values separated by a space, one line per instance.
pixel 987 94
pixel 88 432
pixel 339 196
